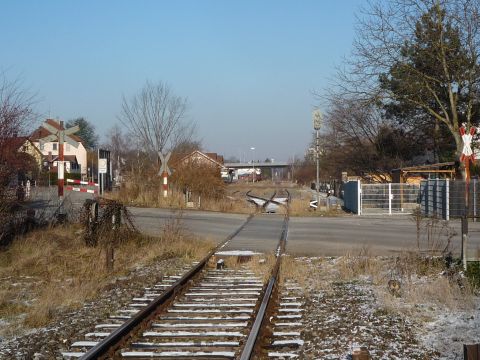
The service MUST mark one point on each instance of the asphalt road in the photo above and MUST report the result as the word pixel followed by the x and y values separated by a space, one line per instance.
pixel 261 234
pixel 210 225
pixel 44 200
pixel 312 236
pixel 379 235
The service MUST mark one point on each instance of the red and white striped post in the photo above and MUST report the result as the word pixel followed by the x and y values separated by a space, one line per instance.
pixel 165 184
pixel 61 158
pixel 61 135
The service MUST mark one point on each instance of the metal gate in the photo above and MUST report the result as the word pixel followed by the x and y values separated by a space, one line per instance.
pixel 388 199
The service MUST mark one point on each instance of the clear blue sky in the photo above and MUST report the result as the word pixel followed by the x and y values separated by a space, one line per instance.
pixel 248 68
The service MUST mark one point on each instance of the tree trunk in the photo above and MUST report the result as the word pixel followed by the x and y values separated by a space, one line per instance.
pixel 458 154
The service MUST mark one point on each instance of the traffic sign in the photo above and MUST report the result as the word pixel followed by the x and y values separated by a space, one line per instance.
pixel 164 167
pixel 61 134
pixel 102 166
pixel 317 119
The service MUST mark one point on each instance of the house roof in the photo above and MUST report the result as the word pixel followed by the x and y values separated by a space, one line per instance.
pixel 42 132
pixel 216 157
pixel 14 143
pixel 9 152
pixel 207 156
pixel 69 158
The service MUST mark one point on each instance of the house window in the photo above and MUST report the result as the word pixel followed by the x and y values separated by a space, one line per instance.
pixel 54 146
pixel 42 146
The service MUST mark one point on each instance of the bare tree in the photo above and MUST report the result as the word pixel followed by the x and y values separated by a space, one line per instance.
pixel 419 61
pixel 359 138
pixel 156 118
pixel 16 109
pixel 16 117
pixel 117 143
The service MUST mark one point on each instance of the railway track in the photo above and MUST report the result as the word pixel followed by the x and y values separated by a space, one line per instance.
pixel 217 309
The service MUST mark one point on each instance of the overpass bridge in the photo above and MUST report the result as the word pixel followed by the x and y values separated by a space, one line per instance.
pixel 235 171
pixel 258 165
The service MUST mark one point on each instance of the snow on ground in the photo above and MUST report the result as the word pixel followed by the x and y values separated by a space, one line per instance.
pixel 345 305
pixel 345 311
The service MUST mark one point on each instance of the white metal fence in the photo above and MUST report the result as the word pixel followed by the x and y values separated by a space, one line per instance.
pixel 388 199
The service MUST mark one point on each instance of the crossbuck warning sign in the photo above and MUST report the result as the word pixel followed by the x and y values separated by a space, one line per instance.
pixel 164 167
pixel 467 153
pixel 164 171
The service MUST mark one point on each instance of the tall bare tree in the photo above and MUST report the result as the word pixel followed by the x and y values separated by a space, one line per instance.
pixel 155 116
pixel 360 139
pixel 419 61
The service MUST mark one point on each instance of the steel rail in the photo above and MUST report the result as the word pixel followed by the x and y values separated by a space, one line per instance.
pixel 266 200
pixel 250 344
pixel 112 341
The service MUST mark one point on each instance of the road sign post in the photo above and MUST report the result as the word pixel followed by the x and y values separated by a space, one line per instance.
pixel 164 171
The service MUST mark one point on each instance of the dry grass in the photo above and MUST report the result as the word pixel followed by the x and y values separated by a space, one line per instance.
pixel 423 280
pixel 300 207
pixel 260 265
pixel 52 270
pixel 294 270
pixel 149 196
pixel 351 267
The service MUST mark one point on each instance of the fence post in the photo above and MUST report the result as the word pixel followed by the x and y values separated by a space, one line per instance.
pixel 389 198
pixel 474 200
pixel 359 197
pixel 464 241
pixel 447 199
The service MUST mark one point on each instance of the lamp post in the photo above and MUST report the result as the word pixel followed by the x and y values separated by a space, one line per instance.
pixel 253 164
pixel 317 123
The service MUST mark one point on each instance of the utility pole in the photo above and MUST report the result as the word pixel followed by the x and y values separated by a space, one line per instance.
pixel 253 164
pixel 317 124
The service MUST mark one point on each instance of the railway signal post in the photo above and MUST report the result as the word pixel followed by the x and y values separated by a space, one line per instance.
pixel 466 157
pixel 61 135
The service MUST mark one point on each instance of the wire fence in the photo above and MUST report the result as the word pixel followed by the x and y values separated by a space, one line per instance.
pixel 447 199
pixel 388 199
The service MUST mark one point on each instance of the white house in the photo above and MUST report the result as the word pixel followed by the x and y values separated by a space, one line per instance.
pixel 76 158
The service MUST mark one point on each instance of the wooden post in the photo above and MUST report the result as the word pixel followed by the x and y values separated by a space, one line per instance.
pixel 110 255
pixel 471 352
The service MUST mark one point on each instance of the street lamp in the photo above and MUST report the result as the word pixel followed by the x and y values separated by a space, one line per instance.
pixel 317 124
pixel 253 164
